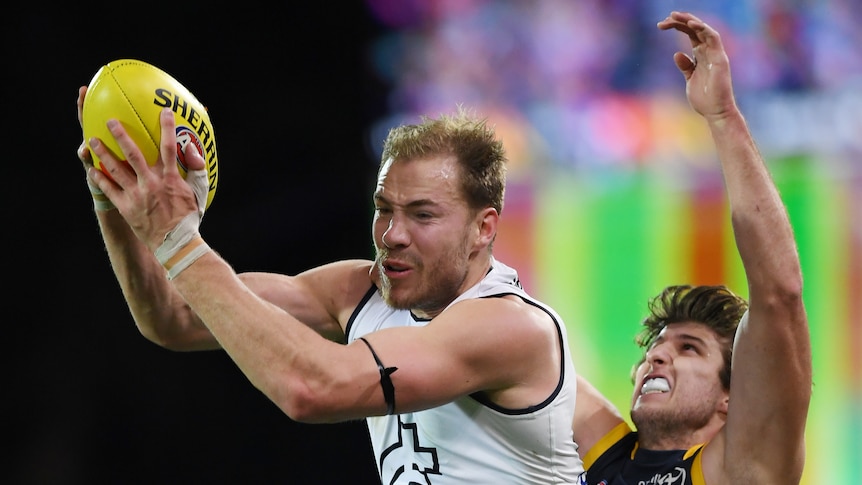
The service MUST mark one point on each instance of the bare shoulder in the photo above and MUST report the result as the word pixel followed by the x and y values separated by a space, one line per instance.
pixel 507 313
pixel 509 327
pixel 504 346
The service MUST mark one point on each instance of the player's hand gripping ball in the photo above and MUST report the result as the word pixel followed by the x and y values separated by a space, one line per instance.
pixel 134 93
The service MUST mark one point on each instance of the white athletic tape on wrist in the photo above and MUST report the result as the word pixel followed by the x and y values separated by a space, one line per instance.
pixel 183 245
pixel 176 251
pixel 190 253
pixel 101 202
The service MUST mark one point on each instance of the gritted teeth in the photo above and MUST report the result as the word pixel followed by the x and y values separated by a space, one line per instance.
pixel 656 384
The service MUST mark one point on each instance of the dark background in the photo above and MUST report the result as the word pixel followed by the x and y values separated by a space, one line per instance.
pixel 86 399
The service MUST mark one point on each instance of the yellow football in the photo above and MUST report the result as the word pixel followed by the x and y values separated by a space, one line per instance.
pixel 134 93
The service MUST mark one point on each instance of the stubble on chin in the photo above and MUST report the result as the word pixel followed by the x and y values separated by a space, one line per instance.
pixel 386 293
pixel 655 422
pixel 668 423
pixel 378 275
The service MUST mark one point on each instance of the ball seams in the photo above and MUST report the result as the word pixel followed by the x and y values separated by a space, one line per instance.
pixel 128 98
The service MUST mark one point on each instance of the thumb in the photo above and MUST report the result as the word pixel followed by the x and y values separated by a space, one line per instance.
pixel 684 63
pixel 192 158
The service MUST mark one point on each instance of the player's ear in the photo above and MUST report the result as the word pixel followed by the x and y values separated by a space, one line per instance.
pixel 723 404
pixel 487 220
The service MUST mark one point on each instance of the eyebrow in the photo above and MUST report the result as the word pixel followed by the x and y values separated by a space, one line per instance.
pixel 410 205
pixel 685 337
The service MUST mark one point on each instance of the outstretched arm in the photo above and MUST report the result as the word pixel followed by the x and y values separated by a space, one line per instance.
pixel 771 385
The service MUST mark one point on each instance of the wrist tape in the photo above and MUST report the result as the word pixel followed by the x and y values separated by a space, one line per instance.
pixel 182 246
pixel 101 202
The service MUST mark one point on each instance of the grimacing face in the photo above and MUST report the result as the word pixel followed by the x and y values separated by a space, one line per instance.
pixel 678 385
pixel 423 234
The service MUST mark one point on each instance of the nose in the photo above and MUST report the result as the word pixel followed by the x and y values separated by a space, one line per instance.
pixel 658 355
pixel 395 234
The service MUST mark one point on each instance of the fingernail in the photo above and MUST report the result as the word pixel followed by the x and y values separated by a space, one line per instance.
pixel 94 142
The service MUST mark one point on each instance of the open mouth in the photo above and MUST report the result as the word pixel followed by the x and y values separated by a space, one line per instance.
pixel 394 267
pixel 397 268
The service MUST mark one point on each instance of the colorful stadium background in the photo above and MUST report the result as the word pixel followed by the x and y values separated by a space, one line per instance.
pixel 614 188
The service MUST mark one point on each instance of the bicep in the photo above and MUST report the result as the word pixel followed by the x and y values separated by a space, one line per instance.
pixel 427 373
pixel 489 346
pixel 321 298
pixel 771 383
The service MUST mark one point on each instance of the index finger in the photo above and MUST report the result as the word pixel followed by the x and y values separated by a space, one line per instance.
pixel 168 145
pixel 680 23
pixel 131 151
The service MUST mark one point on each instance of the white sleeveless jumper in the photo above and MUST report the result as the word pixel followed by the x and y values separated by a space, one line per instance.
pixel 471 440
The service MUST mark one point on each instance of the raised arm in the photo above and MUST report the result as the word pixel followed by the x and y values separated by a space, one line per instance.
pixel 161 314
pixel 763 440
pixel 505 347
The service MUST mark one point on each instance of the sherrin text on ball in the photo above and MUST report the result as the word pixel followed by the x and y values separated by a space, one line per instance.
pixel 134 93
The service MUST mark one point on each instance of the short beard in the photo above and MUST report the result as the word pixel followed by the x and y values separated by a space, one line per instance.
pixel 436 292
pixel 661 427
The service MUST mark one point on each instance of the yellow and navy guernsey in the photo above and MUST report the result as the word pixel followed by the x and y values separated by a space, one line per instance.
pixel 618 460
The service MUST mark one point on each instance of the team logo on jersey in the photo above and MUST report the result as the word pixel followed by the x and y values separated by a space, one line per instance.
pixel 676 477
pixel 419 462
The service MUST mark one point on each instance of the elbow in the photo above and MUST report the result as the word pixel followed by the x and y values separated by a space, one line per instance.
pixel 787 293
pixel 159 338
pixel 299 405
pixel 304 403
pixel 170 339
pixel 791 286
pixel 781 291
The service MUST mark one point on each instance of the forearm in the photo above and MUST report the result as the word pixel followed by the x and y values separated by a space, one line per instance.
pixel 160 313
pixel 308 377
pixel 763 233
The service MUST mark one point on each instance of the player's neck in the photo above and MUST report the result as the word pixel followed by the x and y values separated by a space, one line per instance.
pixel 664 438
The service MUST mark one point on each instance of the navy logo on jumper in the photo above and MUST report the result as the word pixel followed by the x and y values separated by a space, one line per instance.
pixel 408 444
